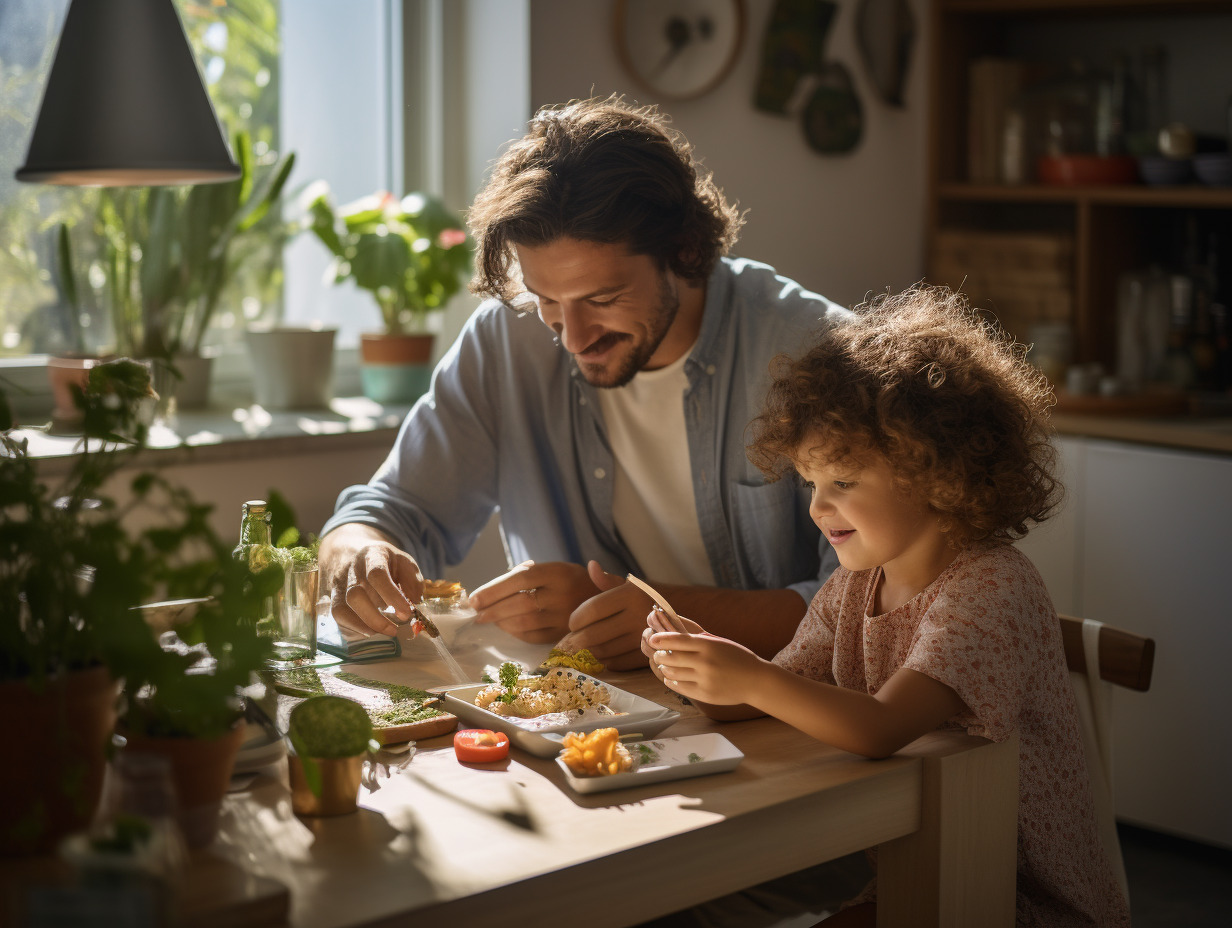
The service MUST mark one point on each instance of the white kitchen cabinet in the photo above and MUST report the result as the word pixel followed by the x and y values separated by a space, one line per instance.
pixel 1145 543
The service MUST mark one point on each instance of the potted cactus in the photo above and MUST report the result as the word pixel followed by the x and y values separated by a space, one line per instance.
pixel 331 736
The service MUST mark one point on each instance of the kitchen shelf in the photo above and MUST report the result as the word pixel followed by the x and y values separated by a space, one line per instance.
pixel 1102 231
pixel 1100 7
pixel 1189 197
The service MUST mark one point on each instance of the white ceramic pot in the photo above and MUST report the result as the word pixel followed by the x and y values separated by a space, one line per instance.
pixel 292 367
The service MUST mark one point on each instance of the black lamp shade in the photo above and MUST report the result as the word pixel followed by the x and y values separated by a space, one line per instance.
pixel 124 103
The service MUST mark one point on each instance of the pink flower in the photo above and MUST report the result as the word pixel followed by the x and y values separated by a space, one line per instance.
pixel 451 237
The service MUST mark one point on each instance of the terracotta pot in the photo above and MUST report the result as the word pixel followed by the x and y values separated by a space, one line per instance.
pixel 52 772
pixel 201 771
pixel 396 368
pixel 62 372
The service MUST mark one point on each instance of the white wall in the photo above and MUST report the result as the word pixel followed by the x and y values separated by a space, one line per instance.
pixel 840 225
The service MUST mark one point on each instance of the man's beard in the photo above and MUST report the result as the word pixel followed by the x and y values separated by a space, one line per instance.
pixel 661 320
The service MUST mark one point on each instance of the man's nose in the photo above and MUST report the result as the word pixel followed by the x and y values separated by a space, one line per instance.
pixel 572 323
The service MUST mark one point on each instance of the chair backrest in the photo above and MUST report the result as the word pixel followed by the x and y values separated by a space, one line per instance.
pixel 1114 657
pixel 1125 659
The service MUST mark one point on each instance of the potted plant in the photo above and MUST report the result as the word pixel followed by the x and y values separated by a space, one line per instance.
pixel 159 259
pixel 72 576
pixel 331 736
pixel 412 255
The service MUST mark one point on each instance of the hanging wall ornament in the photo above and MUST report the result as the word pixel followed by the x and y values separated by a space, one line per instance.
pixel 885 32
pixel 792 52
pixel 833 119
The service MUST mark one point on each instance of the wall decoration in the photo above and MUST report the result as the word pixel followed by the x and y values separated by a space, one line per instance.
pixel 833 119
pixel 679 49
pixel 792 50
pixel 797 81
pixel 885 32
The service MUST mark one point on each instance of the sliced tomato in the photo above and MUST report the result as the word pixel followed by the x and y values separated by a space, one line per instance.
pixel 480 746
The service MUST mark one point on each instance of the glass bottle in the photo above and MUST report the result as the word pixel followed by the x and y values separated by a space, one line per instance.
pixel 1154 91
pixel 134 856
pixel 1156 322
pixel 1221 328
pixel 1178 362
pixel 256 551
pixel 1131 330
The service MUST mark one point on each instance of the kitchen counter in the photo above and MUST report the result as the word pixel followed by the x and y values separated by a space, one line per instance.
pixel 1193 433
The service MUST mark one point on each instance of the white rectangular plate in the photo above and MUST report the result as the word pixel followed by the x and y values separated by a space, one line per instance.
pixel 640 715
pixel 666 759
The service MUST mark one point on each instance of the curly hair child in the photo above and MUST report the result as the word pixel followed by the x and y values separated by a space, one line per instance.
pixel 922 436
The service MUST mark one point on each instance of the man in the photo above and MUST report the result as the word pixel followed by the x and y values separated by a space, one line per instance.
pixel 610 430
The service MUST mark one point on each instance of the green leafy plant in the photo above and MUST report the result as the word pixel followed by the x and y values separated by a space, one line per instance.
pixel 159 257
pixel 508 674
pixel 411 254
pixel 73 573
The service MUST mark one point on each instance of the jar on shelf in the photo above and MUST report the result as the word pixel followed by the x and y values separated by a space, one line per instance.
pixel 1052 349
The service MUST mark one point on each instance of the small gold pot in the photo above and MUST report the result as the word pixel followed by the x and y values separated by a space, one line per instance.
pixel 339 785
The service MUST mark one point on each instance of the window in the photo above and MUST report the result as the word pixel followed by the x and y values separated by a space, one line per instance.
pixel 237 48
pixel 370 95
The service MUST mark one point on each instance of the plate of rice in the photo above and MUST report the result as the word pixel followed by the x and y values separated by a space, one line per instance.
pixel 535 711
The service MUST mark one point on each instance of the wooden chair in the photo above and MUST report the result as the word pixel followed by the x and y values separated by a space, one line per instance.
pixel 1125 659
pixel 1099 657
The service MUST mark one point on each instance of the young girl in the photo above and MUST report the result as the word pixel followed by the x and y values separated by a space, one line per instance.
pixel 922 436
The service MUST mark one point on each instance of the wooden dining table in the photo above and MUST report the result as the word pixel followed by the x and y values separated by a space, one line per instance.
pixel 439 842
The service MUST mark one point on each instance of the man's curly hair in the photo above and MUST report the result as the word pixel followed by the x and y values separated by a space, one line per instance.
pixel 600 170
pixel 944 396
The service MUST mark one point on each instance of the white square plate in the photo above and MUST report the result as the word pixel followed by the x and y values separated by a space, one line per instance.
pixel 639 715
pixel 663 759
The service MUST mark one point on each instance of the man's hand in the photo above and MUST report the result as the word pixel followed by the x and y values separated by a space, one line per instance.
pixel 534 601
pixel 364 571
pixel 610 623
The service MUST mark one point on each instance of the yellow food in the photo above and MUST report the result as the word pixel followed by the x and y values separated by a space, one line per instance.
pixel 441 589
pixel 595 753
pixel 581 660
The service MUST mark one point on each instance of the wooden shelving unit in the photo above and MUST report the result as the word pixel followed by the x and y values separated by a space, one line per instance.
pixel 1112 228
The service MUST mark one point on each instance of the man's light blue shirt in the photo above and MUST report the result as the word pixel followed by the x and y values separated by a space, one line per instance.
pixel 511 423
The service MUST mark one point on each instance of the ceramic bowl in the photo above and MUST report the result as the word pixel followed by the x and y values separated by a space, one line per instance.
pixel 1214 170
pixel 1080 170
pixel 1159 171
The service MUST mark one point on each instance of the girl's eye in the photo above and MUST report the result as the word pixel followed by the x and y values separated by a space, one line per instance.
pixel 809 485
pixel 843 484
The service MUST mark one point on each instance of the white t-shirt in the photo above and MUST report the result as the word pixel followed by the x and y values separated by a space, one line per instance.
pixel 652 496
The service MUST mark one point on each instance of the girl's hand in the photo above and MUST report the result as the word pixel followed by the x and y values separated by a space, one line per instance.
pixel 703 667
pixel 656 622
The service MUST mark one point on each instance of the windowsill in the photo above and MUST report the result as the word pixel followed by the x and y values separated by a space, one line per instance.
pixel 230 431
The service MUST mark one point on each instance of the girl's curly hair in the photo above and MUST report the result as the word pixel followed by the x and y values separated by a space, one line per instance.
pixel 944 396
pixel 600 170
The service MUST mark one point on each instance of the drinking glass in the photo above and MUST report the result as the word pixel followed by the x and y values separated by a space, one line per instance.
pixel 295 640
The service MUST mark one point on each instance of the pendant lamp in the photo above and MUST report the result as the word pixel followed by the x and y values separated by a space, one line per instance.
pixel 124 104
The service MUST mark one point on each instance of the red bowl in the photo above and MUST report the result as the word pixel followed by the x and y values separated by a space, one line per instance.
pixel 1084 170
